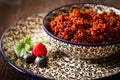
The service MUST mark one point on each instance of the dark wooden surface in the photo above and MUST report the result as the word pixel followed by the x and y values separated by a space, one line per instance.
pixel 12 11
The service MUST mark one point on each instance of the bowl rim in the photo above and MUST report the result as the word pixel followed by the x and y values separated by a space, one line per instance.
pixel 29 73
pixel 74 43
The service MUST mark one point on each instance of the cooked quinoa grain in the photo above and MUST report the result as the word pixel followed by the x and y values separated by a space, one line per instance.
pixel 60 65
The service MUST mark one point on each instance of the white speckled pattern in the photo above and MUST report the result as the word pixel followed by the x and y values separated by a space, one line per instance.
pixel 60 65
pixel 84 52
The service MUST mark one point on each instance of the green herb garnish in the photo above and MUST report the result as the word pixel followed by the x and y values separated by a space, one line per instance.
pixel 21 47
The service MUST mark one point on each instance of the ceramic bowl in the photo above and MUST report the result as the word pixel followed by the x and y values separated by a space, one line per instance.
pixel 79 50
pixel 82 70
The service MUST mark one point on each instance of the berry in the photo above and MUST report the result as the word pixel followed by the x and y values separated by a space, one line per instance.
pixel 41 61
pixel 28 58
pixel 39 50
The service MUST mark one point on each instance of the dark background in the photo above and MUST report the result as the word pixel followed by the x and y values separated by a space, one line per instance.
pixel 12 11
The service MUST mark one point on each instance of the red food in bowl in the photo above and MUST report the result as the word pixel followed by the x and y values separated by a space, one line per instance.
pixel 86 26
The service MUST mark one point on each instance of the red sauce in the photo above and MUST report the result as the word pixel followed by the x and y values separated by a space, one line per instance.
pixel 86 26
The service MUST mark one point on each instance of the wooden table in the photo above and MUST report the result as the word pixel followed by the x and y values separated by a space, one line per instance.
pixel 12 11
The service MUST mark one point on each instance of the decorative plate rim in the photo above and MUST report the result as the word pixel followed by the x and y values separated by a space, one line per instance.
pixel 29 73
pixel 10 62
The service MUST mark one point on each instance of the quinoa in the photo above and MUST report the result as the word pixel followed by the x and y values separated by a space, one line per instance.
pixel 86 26
pixel 60 65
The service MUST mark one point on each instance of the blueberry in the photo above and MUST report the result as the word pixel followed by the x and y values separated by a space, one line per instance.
pixel 29 58
pixel 41 61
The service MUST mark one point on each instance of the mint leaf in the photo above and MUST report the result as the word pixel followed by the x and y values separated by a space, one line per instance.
pixel 21 47
pixel 27 40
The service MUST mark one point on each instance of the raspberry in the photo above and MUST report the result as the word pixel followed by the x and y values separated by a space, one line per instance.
pixel 39 50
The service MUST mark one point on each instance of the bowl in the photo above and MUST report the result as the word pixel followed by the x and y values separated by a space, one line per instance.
pixel 61 66
pixel 81 50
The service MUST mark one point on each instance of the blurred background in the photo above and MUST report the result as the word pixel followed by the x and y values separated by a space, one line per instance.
pixel 11 11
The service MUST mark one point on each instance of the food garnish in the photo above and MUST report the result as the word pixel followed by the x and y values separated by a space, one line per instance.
pixel 21 47
pixel 39 50
pixel 41 61
pixel 32 53
pixel 29 58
